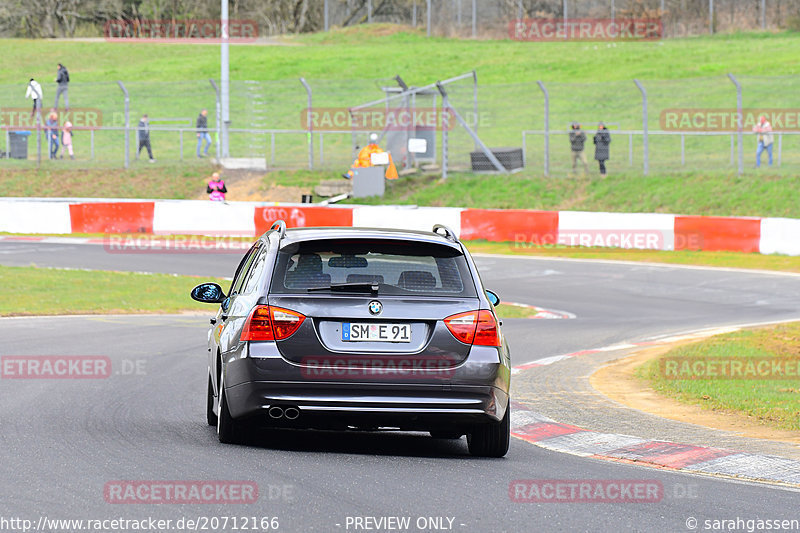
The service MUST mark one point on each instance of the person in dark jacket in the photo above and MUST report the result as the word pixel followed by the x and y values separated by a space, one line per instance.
pixel 62 79
pixel 577 138
pixel 144 138
pixel 601 141
pixel 202 132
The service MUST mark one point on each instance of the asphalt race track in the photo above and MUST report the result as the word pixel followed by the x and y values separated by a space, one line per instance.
pixel 63 441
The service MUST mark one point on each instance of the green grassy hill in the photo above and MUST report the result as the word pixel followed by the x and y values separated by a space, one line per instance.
pixel 588 82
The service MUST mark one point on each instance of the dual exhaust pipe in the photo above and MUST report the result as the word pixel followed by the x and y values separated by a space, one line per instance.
pixel 289 413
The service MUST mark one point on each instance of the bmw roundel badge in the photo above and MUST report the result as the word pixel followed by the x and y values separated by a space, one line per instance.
pixel 375 307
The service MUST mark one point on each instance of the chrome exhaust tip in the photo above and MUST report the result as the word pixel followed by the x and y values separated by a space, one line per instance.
pixel 275 412
pixel 291 413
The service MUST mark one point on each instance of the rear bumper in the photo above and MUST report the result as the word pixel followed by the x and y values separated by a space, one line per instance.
pixel 473 392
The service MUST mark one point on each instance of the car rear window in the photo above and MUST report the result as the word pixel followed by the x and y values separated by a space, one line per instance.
pixel 396 266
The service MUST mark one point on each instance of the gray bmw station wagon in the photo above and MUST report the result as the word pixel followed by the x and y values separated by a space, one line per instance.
pixel 358 328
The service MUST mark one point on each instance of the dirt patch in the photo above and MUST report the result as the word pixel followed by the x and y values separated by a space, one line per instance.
pixel 249 186
pixel 618 381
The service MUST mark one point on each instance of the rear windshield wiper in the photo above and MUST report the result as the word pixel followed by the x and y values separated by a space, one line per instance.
pixel 348 287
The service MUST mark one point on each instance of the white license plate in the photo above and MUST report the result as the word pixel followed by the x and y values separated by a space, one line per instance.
pixel 384 332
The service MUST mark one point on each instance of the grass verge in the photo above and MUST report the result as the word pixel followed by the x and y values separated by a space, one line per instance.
pixel 773 402
pixel 51 291
pixel 702 193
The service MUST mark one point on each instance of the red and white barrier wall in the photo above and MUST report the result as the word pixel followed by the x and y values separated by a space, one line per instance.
pixel 524 227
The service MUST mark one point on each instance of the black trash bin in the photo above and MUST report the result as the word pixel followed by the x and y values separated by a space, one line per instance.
pixel 18 144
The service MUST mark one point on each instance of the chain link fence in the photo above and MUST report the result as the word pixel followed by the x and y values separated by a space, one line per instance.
pixel 270 122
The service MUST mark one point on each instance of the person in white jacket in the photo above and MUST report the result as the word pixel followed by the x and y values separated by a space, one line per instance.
pixel 764 130
pixel 35 92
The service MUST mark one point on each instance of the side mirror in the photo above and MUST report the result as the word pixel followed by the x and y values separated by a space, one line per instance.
pixel 209 293
pixel 493 297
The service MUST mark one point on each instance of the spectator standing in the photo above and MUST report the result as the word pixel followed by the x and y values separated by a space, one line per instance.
pixel 601 141
pixel 51 129
pixel 216 188
pixel 202 132
pixel 35 93
pixel 66 140
pixel 764 130
pixel 144 138
pixel 62 79
pixel 577 139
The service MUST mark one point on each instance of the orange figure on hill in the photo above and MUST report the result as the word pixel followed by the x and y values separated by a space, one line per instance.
pixel 364 159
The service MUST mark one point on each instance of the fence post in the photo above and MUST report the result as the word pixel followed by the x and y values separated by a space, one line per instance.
pixel 127 124
pixel 780 148
pixel 613 10
pixel 739 120
pixel 326 16
pixel 321 151
pixel 546 127
pixel 219 117
pixel 630 149
pixel 475 100
pixel 564 4
pixel 225 80
pixel 474 19
pixel 763 14
pixel 645 136
pixel 732 149
pixel 683 150
pixel 272 148
pixel 524 151
pixel 711 17
pixel 39 137
pixel 445 127
pixel 180 134
pixel 91 140
pixel 413 14
pixel 309 126
pixel 428 15
pixel 369 11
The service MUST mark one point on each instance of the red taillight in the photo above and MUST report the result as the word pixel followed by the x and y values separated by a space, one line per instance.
pixel 474 327
pixel 285 322
pixel 267 323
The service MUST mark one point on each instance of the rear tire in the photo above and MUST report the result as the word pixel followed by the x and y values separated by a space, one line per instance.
pixel 228 430
pixel 492 439
pixel 211 417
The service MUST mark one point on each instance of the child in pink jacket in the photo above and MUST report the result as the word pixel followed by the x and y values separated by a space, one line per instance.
pixel 66 139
